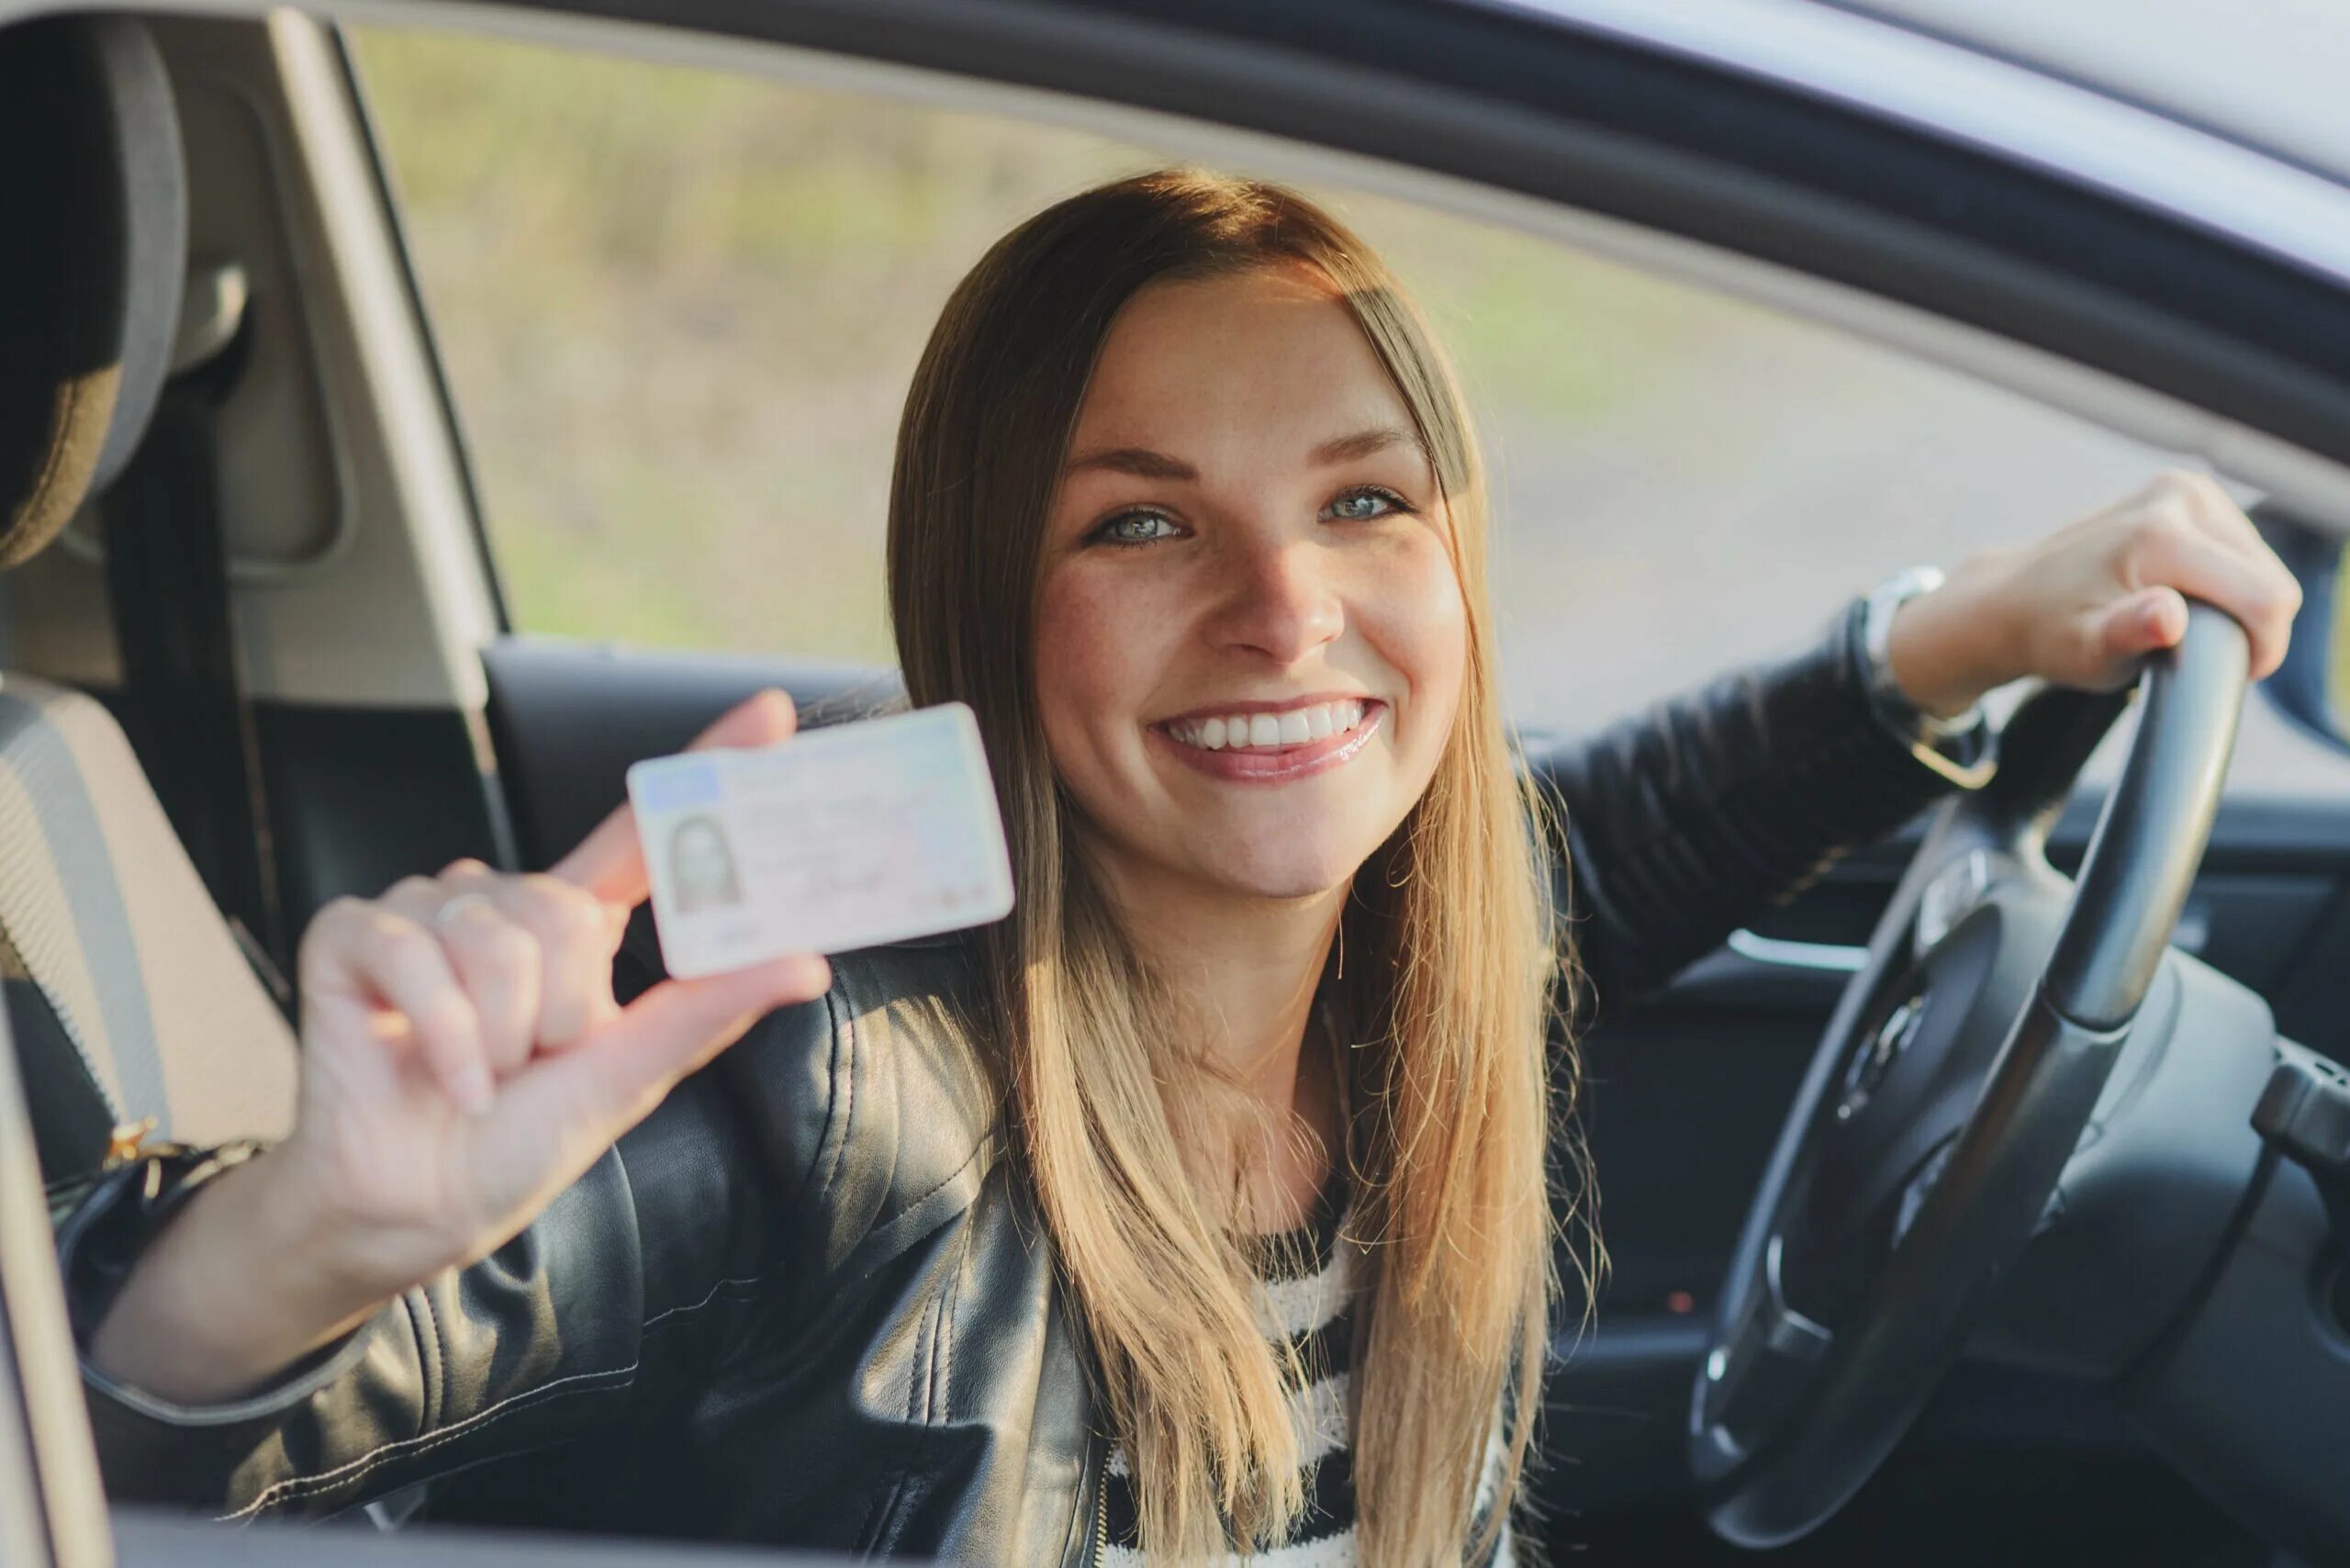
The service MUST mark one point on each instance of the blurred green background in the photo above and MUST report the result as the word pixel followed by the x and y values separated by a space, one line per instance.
pixel 680 307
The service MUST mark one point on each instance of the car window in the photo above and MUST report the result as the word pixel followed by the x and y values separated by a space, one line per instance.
pixel 678 309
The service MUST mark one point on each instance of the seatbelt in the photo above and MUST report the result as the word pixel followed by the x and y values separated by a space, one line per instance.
pixel 184 704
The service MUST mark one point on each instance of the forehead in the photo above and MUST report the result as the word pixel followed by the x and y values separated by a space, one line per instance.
pixel 1273 354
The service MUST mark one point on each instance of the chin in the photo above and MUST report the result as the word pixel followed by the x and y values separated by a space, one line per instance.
pixel 1293 871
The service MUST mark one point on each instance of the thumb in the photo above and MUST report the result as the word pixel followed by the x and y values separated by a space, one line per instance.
pixel 620 1073
pixel 2141 623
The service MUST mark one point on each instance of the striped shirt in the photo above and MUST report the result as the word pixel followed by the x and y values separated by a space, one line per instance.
pixel 1308 1300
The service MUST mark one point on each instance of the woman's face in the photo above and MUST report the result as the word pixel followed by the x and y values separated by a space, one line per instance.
pixel 700 866
pixel 1250 639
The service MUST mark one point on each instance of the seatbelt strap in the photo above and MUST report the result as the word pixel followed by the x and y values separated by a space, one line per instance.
pixel 186 709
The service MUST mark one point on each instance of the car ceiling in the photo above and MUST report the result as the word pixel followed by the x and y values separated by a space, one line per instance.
pixel 2266 72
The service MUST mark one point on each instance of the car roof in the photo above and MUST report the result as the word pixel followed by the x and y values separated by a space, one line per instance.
pixel 2116 95
pixel 2268 73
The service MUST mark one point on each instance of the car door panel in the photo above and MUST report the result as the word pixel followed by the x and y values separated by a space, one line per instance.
pixel 568 718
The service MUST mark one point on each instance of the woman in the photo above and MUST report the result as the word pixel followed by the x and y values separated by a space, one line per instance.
pixel 1199 1206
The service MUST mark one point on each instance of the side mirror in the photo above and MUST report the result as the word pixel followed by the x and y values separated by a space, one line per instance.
pixel 2313 688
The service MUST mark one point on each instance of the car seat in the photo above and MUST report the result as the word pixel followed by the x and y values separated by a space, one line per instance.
pixel 127 993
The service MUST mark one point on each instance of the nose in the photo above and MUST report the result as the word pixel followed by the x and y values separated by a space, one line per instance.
pixel 1281 600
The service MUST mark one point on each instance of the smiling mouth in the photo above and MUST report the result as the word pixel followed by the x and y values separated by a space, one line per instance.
pixel 1296 745
pixel 1271 731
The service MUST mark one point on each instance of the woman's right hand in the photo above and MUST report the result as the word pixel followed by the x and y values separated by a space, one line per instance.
pixel 463 1062
pixel 463 1058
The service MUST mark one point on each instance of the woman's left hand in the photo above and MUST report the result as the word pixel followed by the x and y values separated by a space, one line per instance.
pixel 2083 606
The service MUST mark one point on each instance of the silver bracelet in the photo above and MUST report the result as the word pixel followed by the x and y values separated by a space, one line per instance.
pixel 1876 639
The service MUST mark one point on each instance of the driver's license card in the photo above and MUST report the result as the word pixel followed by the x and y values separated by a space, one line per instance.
pixel 848 836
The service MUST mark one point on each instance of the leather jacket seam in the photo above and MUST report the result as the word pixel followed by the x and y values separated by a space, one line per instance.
pixel 686 1308
pixel 433 1351
pixel 297 1486
pixel 919 1392
pixel 926 1396
pixel 980 1149
pixel 843 1033
pixel 941 1398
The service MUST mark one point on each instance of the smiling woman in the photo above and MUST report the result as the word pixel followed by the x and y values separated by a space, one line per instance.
pixel 1231 480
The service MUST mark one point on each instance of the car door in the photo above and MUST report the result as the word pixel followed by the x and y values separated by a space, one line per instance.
pixel 1684 482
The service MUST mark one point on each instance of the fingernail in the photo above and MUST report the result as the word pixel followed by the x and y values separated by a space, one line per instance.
pixel 472 1088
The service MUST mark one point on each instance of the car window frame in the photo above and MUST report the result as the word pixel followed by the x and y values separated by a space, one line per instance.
pixel 1538 118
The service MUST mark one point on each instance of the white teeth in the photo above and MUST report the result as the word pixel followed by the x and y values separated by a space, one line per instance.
pixel 1296 727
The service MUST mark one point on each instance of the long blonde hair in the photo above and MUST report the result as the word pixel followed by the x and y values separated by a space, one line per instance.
pixel 1449 951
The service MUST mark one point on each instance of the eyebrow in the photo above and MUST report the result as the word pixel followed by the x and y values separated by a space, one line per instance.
pixel 1363 444
pixel 1139 461
pixel 1145 464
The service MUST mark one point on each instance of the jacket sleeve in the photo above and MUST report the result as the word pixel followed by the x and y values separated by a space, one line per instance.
pixel 1684 823
pixel 620 1295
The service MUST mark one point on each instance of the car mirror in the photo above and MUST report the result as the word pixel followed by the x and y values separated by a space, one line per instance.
pixel 2312 687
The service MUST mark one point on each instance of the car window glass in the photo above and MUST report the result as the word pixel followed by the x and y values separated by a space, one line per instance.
pixel 678 309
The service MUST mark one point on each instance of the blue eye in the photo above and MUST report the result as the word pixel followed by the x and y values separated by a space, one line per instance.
pixel 1363 504
pixel 1134 527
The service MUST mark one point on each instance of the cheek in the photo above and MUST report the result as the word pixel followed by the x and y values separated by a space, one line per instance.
pixel 1091 665
pixel 1420 625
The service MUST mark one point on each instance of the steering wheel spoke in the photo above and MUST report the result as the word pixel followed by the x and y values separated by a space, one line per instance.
pixel 1752 1380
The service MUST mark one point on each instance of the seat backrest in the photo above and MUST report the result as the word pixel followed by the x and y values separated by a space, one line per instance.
pixel 126 995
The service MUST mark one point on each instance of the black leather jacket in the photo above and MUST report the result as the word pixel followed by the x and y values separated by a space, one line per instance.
pixel 808 1301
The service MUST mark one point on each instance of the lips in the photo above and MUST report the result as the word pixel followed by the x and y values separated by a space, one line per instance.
pixel 1206 743
pixel 1269 732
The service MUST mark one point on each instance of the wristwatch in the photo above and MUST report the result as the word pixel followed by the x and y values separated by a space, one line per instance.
pixel 1957 747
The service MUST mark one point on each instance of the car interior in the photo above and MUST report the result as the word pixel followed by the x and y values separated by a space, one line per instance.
pixel 255 654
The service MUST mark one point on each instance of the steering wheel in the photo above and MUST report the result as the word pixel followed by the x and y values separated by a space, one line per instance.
pixel 1950 1089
